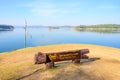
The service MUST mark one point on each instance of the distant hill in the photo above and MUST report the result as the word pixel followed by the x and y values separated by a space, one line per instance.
pixel 99 26
pixel 104 28
pixel 6 27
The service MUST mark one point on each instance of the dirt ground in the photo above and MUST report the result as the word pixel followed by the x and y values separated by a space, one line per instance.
pixel 103 64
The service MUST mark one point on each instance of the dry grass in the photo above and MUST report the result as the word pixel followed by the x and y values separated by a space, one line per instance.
pixel 20 64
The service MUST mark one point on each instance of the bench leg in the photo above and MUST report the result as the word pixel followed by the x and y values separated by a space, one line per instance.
pixel 76 61
pixel 49 65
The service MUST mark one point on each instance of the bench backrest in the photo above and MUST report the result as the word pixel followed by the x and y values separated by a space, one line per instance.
pixel 60 56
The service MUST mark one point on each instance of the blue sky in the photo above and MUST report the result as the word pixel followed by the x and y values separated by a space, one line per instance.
pixel 59 12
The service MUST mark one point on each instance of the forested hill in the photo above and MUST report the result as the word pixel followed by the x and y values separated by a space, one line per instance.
pixel 6 27
pixel 99 26
pixel 102 28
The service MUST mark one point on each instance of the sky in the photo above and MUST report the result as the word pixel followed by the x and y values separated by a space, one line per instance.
pixel 59 12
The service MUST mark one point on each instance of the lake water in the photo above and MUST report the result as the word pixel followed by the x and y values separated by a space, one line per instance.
pixel 12 40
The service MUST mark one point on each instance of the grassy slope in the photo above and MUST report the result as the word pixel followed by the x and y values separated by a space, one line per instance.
pixel 16 64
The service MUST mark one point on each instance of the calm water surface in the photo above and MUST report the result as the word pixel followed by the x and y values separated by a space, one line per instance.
pixel 12 40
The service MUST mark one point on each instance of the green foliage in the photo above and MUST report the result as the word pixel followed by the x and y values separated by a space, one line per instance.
pixel 99 26
pixel 102 28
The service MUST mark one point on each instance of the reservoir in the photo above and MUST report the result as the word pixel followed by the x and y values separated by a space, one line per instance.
pixel 13 40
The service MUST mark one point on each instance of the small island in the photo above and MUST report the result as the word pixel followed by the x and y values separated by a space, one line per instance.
pixel 6 27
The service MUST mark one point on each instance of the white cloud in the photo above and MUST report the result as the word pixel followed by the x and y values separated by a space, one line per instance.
pixel 47 8
pixel 44 12
pixel 108 7
pixel 41 8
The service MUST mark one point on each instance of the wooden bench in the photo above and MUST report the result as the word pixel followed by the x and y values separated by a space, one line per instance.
pixel 50 58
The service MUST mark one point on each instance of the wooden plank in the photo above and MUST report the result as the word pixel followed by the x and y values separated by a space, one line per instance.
pixel 61 56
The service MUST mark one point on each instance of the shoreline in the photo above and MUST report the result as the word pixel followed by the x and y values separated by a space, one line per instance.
pixel 56 45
